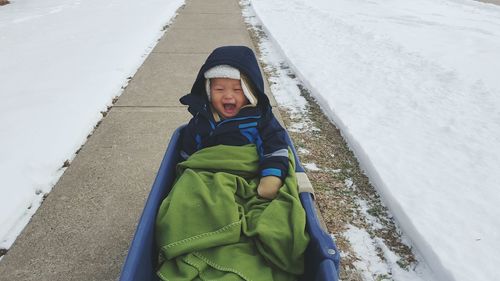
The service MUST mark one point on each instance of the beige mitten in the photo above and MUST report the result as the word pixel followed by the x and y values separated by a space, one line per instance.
pixel 269 186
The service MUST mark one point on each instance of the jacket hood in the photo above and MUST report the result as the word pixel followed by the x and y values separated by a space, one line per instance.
pixel 240 57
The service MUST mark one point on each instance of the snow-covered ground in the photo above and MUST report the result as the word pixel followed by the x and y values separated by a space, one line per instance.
pixel 413 86
pixel 61 64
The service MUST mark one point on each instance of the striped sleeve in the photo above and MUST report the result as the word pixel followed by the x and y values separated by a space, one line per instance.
pixel 274 160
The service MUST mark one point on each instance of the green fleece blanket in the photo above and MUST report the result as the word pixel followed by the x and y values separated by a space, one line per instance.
pixel 212 225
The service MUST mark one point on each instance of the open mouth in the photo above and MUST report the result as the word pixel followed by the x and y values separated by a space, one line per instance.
pixel 229 107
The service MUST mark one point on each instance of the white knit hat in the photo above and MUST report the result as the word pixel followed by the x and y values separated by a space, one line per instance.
pixel 227 71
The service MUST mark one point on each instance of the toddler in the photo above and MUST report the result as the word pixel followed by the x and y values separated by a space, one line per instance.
pixel 229 107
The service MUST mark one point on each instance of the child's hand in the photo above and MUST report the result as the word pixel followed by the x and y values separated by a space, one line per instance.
pixel 268 187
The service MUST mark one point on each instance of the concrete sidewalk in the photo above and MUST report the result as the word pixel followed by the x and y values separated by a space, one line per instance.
pixel 83 229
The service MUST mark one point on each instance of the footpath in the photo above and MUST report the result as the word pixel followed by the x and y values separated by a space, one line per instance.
pixel 84 227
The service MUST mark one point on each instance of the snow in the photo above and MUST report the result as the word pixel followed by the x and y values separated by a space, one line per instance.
pixel 303 151
pixel 371 265
pixel 414 88
pixel 412 85
pixel 311 167
pixel 374 222
pixel 61 63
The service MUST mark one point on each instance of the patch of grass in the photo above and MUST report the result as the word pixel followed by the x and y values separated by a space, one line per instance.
pixel 383 277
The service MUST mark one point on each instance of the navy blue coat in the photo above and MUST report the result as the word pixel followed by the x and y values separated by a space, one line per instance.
pixel 253 125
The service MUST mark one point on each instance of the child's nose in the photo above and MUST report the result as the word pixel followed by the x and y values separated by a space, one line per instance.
pixel 228 95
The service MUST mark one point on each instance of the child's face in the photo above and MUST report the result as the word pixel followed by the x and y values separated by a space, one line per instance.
pixel 227 96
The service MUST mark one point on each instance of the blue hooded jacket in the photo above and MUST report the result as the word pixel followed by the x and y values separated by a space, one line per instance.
pixel 253 125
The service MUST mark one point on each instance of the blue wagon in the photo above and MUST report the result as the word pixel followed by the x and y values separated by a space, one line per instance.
pixel 322 257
